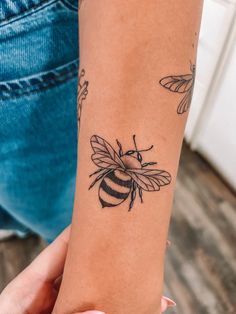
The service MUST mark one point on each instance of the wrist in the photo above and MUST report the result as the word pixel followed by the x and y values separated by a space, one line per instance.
pixel 113 279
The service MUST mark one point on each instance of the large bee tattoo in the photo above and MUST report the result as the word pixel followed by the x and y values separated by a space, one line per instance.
pixel 182 84
pixel 82 93
pixel 122 174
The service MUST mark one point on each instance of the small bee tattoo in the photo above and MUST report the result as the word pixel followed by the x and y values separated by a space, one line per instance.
pixel 82 93
pixel 182 84
pixel 122 174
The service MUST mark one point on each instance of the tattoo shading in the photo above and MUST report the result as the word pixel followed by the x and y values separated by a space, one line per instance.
pixel 122 174
pixel 182 84
pixel 82 93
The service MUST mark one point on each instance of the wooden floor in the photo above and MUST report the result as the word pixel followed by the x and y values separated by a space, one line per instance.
pixel 201 262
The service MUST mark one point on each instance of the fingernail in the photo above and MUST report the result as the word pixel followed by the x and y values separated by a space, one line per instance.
pixel 169 302
pixel 93 312
pixel 168 243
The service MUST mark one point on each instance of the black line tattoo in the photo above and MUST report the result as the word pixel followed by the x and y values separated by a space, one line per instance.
pixel 182 84
pixel 82 93
pixel 122 174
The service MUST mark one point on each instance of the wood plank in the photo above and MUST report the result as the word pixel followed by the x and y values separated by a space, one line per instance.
pixel 15 255
pixel 201 265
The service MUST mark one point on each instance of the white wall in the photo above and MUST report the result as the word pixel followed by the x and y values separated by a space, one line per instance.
pixel 211 129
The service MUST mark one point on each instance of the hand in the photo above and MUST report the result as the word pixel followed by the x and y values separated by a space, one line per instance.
pixel 35 289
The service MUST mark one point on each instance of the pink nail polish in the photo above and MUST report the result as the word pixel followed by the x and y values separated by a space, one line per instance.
pixel 93 312
pixel 169 302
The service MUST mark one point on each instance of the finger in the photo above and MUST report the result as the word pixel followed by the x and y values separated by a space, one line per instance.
pixel 90 312
pixel 35 282
pixel 165 303
pixel 57 283
pixel 48 266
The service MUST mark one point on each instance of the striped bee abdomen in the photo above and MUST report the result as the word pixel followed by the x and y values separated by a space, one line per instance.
pixel 114 188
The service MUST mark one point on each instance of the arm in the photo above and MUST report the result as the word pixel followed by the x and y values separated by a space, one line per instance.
pixel 136 57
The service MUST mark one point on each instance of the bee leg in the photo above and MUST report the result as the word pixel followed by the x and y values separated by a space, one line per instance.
pixel 140 192
pixel 101 176
pixel 97 171
pixel 120 148
pixel 133 195
pixel 149 164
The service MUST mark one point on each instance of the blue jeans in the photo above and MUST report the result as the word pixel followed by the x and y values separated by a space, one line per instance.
pixel 38 125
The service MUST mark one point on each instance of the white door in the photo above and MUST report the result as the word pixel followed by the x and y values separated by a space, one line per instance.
pixel 211 129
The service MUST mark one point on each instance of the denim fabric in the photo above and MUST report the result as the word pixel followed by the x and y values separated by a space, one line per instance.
pixel 38 126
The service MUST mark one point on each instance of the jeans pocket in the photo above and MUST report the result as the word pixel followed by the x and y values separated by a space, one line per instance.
pixel 11 10
pixel 43 40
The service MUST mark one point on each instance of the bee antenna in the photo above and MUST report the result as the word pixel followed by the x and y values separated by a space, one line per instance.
pixel 147 149
pixel 141 150
pixel 135 145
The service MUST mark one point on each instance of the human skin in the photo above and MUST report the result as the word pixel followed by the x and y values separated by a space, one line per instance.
pixel 34 290
pixel 128 51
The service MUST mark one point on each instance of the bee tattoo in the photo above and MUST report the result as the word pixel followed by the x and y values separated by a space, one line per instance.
pixel 82 93
pixel 122 174
pixel 182 84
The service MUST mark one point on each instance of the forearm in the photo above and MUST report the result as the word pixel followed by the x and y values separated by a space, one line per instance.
pixel 116 251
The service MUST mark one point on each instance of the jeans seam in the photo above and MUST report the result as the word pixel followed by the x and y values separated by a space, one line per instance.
pixel 63 73
pixel 69 5
pixel 59 78
pixel 39 89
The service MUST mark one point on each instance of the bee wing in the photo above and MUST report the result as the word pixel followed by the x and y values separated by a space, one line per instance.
pixel 82 92
pixel 150 179
pixel 185 102
pixel 178 84
pixel 104 155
